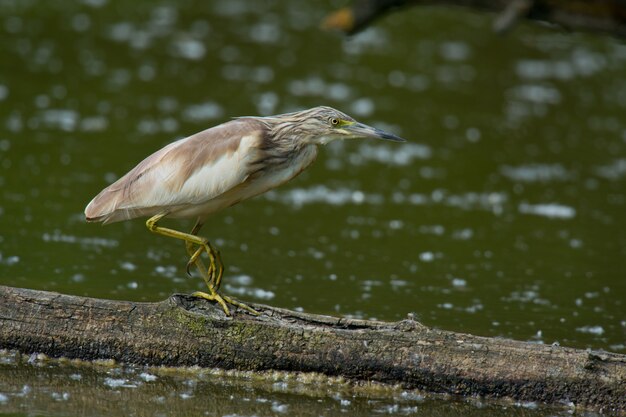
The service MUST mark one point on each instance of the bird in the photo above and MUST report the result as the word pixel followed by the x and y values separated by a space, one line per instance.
pixel 216 168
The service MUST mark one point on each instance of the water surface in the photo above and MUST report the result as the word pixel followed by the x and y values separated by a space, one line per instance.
pixel 502 216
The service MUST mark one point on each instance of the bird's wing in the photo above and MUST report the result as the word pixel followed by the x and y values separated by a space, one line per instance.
pixel 187 172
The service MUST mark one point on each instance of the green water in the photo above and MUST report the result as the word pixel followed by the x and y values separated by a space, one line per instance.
pixel 504 214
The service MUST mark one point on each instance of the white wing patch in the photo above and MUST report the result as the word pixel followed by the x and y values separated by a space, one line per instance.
pixel 206 183
pixel 214 179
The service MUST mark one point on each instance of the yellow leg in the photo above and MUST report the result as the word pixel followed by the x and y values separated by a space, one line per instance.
pixel 190 239
pixel 211 276
pixel 204 273
pixel 194 259
pixel 216 267
pixel 212 281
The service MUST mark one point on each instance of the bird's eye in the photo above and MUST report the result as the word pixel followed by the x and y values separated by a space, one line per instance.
pixel 334 121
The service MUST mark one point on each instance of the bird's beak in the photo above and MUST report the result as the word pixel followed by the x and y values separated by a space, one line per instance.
pixel 360 130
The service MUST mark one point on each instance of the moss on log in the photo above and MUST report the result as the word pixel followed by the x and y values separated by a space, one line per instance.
pixel 185 331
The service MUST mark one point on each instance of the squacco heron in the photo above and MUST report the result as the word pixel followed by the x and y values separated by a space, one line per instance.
pixel 214 169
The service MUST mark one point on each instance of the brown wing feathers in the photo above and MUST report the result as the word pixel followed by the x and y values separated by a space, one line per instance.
pixel 164 172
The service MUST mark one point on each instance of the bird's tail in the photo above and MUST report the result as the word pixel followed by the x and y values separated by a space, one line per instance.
pixel 104 208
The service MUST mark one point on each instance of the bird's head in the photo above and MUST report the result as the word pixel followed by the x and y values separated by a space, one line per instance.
pixel 321 125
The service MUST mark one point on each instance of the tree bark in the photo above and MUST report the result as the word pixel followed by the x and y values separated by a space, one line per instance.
pixel 186 331
pixel 606 16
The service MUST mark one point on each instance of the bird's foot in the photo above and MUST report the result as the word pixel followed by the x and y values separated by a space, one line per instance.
pixel 213 297
pixel 223 301
pixel 239 304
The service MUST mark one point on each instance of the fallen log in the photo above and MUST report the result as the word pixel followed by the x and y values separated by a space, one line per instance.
pixel 606 16
pixel 186 331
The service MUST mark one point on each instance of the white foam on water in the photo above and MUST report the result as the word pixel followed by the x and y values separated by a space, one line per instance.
pixel 203 111
pixel 552 210
pixel 536 173
pixel 298 197
pixel 595 330
pixel 57 236
pixel 118 383
pixel 613 171
pixel 388 154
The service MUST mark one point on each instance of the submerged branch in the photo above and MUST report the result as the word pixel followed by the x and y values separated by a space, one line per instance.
pixel 185 331
pixel 606 16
